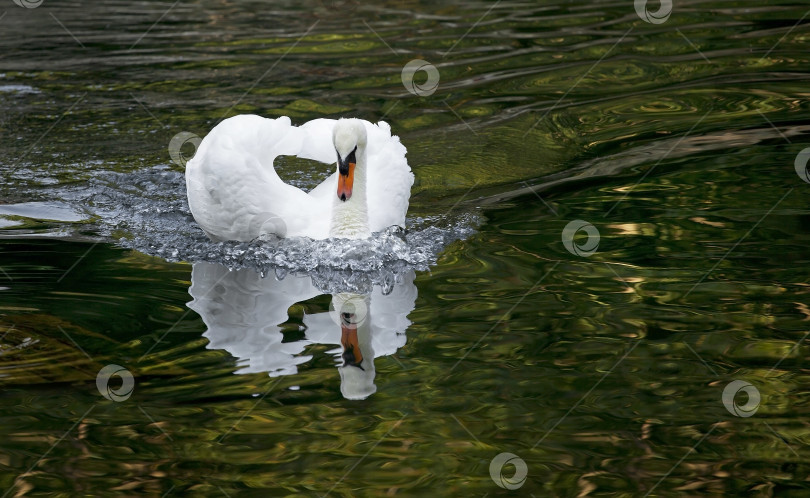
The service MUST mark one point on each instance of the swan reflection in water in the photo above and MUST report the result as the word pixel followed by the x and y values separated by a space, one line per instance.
pixel 244 313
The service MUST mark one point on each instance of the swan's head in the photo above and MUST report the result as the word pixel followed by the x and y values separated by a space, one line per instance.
pixel 349 137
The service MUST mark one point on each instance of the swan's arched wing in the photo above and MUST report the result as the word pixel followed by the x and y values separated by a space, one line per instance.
pixel 317 140
pixel 233 187
pixel 389 178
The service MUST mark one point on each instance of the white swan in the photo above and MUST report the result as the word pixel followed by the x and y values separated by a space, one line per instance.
pixel 235 194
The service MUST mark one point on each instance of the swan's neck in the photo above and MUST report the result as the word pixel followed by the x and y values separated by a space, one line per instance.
pixel 350 217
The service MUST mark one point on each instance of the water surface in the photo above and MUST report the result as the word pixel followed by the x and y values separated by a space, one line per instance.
pixel 601 368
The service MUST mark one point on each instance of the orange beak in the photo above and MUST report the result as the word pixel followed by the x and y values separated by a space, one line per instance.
pixel 345 183
pixel 351 345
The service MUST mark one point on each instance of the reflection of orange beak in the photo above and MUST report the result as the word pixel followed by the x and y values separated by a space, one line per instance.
pixel 345 183
pixel 351 345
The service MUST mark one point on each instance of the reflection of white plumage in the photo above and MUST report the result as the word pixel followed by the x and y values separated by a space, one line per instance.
pixel 235 194
pixel 243 312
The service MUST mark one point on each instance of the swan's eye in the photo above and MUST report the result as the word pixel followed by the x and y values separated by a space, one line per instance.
pixel 351 157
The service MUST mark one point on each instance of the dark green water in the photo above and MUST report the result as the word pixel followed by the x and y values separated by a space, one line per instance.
pixel 603 373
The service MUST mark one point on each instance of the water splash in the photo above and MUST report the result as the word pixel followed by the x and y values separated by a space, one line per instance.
pixel 147 211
